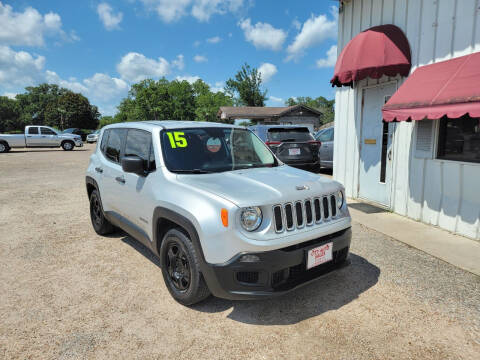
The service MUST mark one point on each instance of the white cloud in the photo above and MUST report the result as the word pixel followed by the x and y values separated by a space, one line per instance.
pixel 214 40
pixel 188 78
pixel 275 99
pixel 200 58
pixel 28 27
pixel 219 86
pixel 19 68
pixel 10 95
pixel 197 43
pixel 331 58
pixel 314 31
pixel 263 35
pixel 72 84
pixel 104 88
pixel 296 24
pixel 135 67
pixel 267 70
pixel 202 10
pixel 110 20
pixel 168 10
pixel 178 62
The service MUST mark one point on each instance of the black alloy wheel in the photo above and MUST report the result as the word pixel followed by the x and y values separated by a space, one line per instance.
pixel 178 266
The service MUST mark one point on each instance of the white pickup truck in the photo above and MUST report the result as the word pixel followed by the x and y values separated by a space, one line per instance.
pixel 39 137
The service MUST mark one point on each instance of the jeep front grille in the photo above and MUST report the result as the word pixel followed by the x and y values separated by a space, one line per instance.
pixel 301 213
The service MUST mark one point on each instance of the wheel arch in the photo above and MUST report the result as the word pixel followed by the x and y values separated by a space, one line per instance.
pixel 164 219
pixel 91 185
pixel 5 142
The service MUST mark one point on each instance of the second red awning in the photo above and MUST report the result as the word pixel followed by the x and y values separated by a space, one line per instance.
pixel 449 88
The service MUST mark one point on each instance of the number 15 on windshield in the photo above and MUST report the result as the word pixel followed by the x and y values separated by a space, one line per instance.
pixel 177 139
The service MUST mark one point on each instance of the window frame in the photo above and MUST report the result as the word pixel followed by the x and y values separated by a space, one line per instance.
pixel 33 127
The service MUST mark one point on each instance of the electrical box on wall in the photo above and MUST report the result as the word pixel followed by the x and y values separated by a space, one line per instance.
pixel 424 139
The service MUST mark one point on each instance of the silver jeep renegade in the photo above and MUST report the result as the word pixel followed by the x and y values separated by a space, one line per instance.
pixel 223 214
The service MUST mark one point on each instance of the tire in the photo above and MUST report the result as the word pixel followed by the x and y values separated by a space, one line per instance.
pixel 68 145
pixel 100 224
pixel 4 147
pixel 181 270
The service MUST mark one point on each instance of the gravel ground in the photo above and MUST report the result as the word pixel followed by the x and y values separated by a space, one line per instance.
pixel 67 293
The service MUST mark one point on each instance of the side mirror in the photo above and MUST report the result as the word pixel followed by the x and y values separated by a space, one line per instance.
pixel 133 164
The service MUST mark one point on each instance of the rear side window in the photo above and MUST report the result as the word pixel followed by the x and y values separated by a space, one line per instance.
pixel 47 131
pixel 139 143
pixel 114 144
pixel 289 134
pixel 33 131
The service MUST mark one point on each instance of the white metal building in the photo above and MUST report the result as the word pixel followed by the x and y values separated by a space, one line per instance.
pixel 428 170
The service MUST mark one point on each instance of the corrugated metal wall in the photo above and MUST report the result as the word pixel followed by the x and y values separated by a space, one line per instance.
pixel 437 192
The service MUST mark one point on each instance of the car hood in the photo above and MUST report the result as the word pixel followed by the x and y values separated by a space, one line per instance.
pixel 263 186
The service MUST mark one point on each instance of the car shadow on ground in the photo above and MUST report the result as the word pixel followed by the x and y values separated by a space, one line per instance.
pixel 13 151
pixel 329 292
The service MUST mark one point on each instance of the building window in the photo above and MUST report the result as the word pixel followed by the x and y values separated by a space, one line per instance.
pixel 459 139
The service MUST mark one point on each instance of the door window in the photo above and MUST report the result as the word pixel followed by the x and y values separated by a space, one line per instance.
pixel 103 144
pixel 47 131
pixel 114 144
pixel 33 131
pixel 138 144
pixel 326 135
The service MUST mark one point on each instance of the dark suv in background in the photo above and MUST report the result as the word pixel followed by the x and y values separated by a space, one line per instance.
pixel 292 144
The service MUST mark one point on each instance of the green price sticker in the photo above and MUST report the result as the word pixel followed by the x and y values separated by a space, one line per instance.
pixel 177 139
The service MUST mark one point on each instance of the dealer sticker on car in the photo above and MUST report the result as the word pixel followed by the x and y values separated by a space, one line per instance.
pixel 319 255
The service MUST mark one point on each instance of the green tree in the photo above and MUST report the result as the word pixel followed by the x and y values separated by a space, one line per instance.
pixel 106 120
pixel 245 88
pixel 327 107
pixel 207 103
pixel 49 104
pixel 167 100
pixel 9 115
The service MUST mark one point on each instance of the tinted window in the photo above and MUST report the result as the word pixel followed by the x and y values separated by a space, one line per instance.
pixel 33 130
pixel 289 134
pixel 47 131
pixel 214 150
pixel 103 145
pixel 138 144
pixel 114 144
pixel 459 139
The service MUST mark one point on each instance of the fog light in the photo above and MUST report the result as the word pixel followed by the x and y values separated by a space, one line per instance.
pixel 249 258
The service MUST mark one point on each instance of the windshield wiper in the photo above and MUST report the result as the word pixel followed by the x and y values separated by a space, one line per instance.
pixel 191 171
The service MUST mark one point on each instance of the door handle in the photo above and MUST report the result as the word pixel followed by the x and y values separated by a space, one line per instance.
pixel 120 179
pixel 99 170
pixel 389 155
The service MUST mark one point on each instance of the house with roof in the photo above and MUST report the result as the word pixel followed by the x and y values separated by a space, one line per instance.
pixel 407 108
pixel 285 115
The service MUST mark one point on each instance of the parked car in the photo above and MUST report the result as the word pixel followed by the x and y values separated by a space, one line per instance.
pixel 224 215
pixel 93 137
pixel 77 131
pixel 39 137
pixel 325 152
pixel 293 145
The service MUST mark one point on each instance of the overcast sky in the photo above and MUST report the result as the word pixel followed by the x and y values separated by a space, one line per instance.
pixel 100 48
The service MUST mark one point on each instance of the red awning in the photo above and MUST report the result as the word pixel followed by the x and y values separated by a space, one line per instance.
pixel 380 50
pixel 449 88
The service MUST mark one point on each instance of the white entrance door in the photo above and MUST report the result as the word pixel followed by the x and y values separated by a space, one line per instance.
pixel 375 182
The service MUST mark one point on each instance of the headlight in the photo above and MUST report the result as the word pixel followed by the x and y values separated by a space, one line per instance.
pixel 340 199
pixel 251 218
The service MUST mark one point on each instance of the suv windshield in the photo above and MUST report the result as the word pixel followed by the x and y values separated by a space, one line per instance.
pixel 209 149
pixel 289 134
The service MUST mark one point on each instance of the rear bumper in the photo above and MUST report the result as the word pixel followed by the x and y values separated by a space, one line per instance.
pixel 277 272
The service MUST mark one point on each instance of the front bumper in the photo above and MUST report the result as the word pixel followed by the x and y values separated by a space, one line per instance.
pixel 277 272
pixel 78 143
